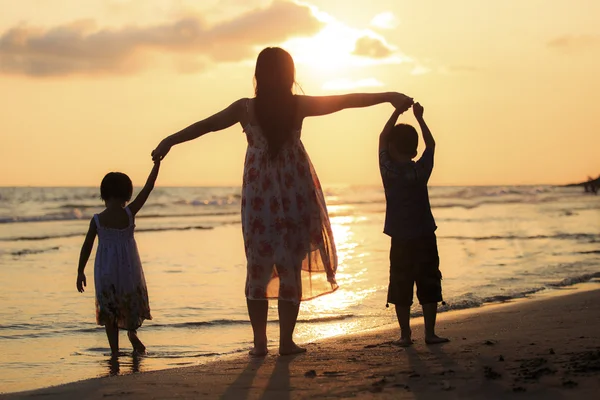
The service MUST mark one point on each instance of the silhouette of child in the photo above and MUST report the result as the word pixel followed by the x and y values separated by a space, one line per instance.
pixel 121 294
pixel 410 223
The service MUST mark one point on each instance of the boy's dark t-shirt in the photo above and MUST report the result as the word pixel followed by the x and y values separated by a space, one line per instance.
pixel 408 212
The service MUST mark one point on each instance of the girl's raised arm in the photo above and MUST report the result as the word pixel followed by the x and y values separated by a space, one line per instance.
pixel 312 106
pixel 137 204
pixel 219 121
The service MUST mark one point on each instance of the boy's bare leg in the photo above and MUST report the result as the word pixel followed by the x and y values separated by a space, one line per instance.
pixel 137 344
pixel 403 315
pixel 429 314
pixel 112 333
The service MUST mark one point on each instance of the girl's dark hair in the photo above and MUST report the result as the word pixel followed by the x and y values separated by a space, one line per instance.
pixel 116 185
pixel 405 139
pixel 275 105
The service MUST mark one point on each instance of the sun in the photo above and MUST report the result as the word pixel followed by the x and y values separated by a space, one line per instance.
pixel 328 51
pixel 329 59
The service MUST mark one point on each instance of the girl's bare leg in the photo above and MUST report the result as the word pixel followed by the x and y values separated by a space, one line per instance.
pixel 112 332
pixel 137 344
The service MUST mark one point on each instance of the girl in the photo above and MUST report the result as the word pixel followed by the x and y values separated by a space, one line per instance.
pixel 121 294
pixel 287 235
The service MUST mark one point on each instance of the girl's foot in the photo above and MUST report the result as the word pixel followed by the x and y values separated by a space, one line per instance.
pixel 435 339
pixel 290 349
pixel 137 344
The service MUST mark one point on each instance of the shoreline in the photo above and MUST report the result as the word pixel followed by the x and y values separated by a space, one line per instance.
pixel 483 355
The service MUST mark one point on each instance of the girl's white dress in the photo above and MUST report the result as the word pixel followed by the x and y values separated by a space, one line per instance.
pixel 121 293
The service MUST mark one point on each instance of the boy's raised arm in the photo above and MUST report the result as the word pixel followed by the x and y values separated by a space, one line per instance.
pixel 385 133
pixel 142 196
pixel 427 136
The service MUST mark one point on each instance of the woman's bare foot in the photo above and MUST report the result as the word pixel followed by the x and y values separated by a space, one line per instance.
pixel 435 339
pixel 260 347
pixel 257 351
pixel 137 344
pixel 290 349
pixel 403 342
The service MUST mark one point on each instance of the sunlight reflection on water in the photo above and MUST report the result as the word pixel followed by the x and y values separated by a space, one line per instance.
pixel 354 288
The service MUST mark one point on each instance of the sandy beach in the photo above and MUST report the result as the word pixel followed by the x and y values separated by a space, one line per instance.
pixel 545 347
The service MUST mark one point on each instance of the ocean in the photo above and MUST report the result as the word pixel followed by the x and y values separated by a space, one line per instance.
pixel 495 244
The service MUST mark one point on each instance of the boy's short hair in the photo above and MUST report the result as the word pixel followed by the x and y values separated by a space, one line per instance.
pixel 405 139
pixel 116 185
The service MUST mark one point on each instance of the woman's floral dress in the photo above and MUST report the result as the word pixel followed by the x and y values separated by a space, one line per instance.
pixel 121 294
pixel 287 235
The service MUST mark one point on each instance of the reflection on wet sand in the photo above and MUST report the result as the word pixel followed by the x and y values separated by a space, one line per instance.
pixel 114 363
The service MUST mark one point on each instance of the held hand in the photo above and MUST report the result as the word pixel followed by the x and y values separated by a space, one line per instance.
pixel 401 102
pixel 161 151
pixel 418 111
pixel 81 282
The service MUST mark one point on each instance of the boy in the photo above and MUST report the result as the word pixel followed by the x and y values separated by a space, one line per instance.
pixel 410 223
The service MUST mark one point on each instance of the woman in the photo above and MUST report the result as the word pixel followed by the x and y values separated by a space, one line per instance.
pixel 287 235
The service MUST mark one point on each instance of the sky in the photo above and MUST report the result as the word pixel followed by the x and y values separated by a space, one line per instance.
pixel 510 88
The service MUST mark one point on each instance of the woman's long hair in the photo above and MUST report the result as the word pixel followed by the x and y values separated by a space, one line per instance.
pixel 275 105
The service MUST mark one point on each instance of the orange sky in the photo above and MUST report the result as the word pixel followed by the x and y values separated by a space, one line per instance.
pixel 510 88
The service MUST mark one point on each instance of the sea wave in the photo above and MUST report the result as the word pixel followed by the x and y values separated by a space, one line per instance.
pixel 74 234
pixel 570 281
pixel 78 215
pixel 27 252
pixel 228 322
pixel 471 301
pixel 589 237
pixel 60 204
pixel 37 331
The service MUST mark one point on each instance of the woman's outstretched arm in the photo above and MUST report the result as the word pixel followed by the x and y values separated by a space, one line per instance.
pixel 219 121
pixel 312 106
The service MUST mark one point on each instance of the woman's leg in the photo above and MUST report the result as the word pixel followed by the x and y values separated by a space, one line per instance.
pixel 257 311
pixel 288 315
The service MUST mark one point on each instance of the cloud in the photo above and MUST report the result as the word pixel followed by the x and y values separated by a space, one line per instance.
pixel 458 69
pixel 82 48
pixel 420 70
pixel 385 20
pixel 574 42
pixel 463 68
pixel 347 84
pixel 367 46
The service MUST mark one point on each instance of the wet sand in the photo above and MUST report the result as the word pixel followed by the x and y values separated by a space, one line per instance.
pixel 546 347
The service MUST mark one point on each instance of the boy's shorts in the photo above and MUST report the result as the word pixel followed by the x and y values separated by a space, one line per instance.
pixel 414 260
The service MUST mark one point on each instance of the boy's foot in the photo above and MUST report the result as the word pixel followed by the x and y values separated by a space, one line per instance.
pixel 403 342
pixel 257 351
pixel 137 344
pixel 291 349
pixel 435 339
